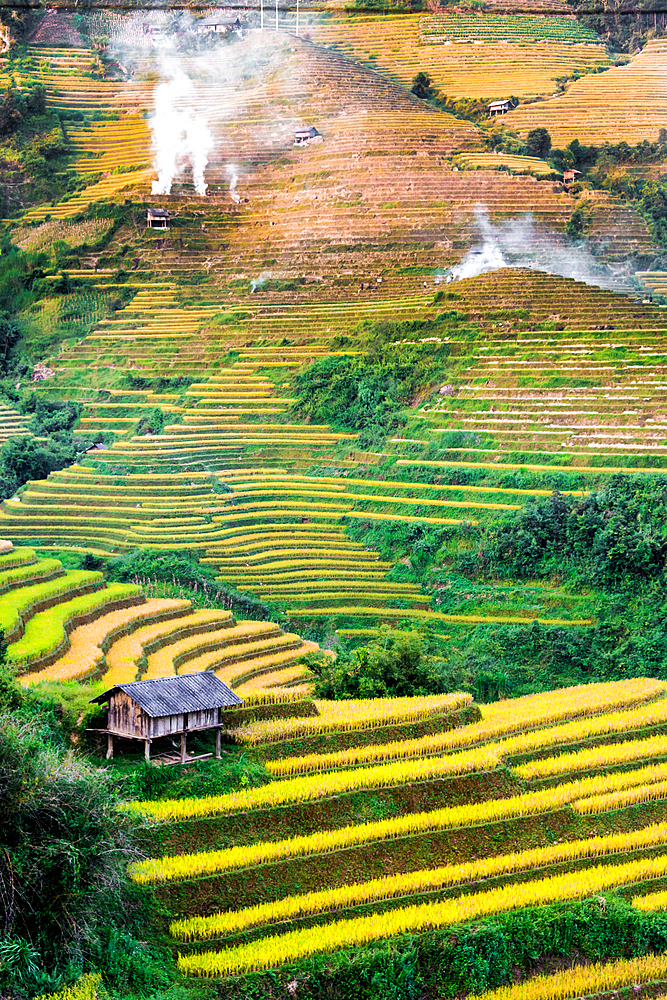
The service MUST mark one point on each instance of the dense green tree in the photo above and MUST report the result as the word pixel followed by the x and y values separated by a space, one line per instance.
pixel 614 538
pixel 63 851
pixel 367 392
pixel 395 664
pixel 422 86
pixel 538 142
pixel 24 459
pixel 10 112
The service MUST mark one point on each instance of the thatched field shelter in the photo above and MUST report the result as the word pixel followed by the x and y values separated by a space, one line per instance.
pixel 157 218
pixel 219 21
pixel 499 108
pixel 167 706
pixel 307 134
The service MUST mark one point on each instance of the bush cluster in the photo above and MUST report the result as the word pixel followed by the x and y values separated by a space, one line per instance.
pixel 470 959
pixel 65 902
pixel 394 665
pixel 18 106
pixel 367 392
pixel 613 538
pixel 25 458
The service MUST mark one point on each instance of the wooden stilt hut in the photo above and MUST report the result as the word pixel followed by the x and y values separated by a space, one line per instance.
pixel 167 706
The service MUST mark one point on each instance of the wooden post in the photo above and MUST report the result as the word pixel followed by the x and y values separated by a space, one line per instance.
pixel 147 751
pixel 217 742
pixel 183 746
pixel 109 746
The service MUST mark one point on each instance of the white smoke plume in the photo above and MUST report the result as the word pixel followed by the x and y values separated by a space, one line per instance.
pixel 516 243
pixel 204 81
pixel 181 136
pixel 258 282
pixel 233 174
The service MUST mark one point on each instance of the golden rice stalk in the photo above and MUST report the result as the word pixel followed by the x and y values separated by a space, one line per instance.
pixel 89 987
pixel 651 714
pixel 343 716
pixel 585 980
pixel 596 757
pixel 651 903
pixel 208 862
pixel 498 719
pixel 305 789
pixel 232 921
pixel 278 949
pixel 618 799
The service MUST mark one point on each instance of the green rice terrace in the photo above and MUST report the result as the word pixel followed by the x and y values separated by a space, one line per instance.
pixel 333 526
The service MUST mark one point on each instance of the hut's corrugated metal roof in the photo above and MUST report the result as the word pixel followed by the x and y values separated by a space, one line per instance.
pixel 219 16
pixel 172 695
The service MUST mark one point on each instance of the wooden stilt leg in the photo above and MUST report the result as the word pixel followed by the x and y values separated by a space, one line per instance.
pixel 183 747
pixel 109 746
pixel 147 751
pixel 217 743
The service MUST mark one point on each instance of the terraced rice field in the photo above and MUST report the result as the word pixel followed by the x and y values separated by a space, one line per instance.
pixel 371 894
pixel 393 816
pixel 499 161
pixel 277 535
pixel 279 528
pixel 113 144
pixel 625 103
pixel 497 27
pixel 66 75
pixel 654 281
pixel 377 181
pixel 365 204
pixel 12 423
pixel 580 383
pixel 104 190
pixel 73 233
pixel 606 399
pixel 510 61
pixel 68 625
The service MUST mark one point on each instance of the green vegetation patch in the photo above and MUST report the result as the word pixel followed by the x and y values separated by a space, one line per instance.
pixel 510 27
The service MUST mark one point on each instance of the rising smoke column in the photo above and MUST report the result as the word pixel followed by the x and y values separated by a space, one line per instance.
pixel 180 123
pixel 233 174
pixel 180 132
pixel 485 257
pixel 256 283
pixel 516 243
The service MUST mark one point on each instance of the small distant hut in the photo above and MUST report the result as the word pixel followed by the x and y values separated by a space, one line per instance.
pixel 570 175
pixel 167 706
pixel 499 108
pixel 302 136
pixel 218 22
pixel 157 218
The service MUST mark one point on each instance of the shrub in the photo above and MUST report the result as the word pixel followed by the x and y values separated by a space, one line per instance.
pixel 395 664
pixel 64 848
pixel 422 86
pixel 538 142
pixel 366 392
